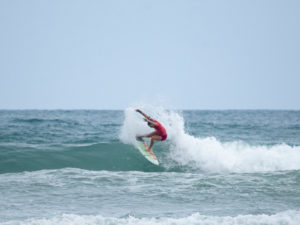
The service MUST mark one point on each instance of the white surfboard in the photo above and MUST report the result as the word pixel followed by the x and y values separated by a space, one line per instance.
pixel 148 155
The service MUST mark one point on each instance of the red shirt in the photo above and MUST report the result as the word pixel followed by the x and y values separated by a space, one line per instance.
pixel 160 129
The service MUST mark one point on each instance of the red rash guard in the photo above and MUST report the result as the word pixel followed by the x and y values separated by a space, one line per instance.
pixel 161 131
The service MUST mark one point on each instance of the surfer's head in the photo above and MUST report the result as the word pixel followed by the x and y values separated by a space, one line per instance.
pixel 150 125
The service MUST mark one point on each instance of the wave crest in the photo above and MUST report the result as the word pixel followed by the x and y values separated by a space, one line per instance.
pixel 208 153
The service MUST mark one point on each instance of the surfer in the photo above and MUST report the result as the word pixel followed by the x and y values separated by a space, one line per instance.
pixel 160 133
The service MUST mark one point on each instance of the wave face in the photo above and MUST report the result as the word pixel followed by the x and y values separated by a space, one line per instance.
pixel 211 141
pixel 102 156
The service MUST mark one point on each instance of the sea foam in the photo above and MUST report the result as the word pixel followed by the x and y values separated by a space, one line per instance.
pixel 208 153
pixel 282 218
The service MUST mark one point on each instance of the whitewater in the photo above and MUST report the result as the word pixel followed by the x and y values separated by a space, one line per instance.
pixel 210 154
pixel 216 167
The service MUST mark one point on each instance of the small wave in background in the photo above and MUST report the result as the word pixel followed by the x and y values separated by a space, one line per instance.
pixel 288 217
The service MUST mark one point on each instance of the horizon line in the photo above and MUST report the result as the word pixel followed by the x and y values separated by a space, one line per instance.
pixel 191 109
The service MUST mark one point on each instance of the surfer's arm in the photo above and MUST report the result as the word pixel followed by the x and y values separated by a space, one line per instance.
pixel 147 118
pixel 144 114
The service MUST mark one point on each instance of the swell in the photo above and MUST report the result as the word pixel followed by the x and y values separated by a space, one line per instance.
pixel 37 120
pixel 203 141
pixel 102 156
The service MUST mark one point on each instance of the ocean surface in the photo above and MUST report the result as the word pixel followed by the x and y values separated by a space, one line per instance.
pixel 80 167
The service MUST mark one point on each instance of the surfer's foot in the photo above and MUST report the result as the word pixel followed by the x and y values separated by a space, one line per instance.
pixel 150 151
pixel 139 138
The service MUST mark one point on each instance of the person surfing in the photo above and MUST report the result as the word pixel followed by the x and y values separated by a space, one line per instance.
pixel 160 133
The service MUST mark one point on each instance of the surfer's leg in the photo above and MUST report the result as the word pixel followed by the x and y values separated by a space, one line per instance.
pixel 154 138
pixel 151 134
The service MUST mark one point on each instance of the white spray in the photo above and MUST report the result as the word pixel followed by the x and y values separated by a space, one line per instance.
pixel 208 153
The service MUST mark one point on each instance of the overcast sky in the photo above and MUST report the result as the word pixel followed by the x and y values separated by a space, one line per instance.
pixel 188 54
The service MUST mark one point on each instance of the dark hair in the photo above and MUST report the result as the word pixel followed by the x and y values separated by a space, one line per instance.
pixel 149 124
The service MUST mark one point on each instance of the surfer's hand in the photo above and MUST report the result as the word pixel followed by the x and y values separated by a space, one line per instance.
pixel 137 110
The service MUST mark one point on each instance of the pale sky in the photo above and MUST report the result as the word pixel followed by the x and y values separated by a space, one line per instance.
pixel 188 54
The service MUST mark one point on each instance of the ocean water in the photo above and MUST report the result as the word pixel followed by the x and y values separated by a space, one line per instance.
pixel 68 167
